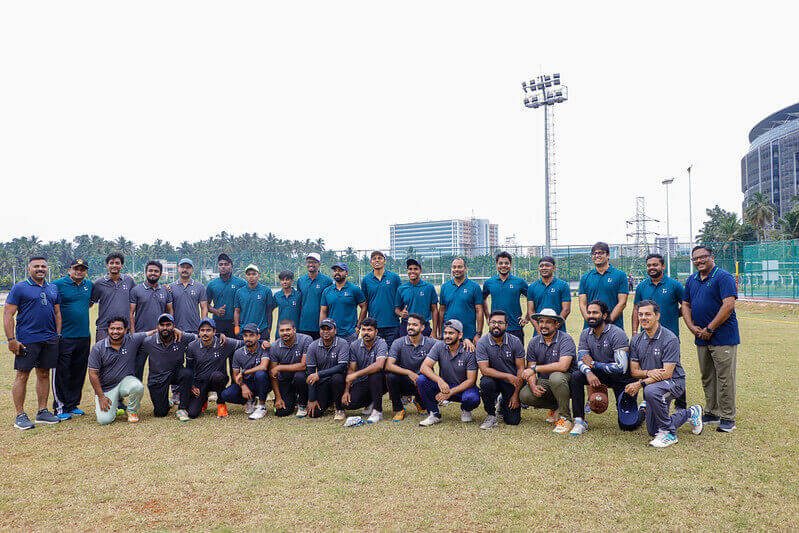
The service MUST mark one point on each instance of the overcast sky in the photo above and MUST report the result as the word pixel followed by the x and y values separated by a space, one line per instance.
pixel 335 119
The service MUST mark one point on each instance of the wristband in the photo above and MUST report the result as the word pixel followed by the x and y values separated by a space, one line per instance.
pixel 11 339
pixel 642 383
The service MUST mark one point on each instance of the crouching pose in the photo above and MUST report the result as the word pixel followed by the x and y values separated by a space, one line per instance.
pixel 250 379
pixel 405 357
pixel 366 380
pixel 327 361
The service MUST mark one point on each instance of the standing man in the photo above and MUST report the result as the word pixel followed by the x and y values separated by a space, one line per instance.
pixel 112 294
pixel 220 293
pixel 604 283
pixel 288 299
pixel 148 301
pixel 287 364
pixel 253 303
pixel 34 339
pixel 364 385
pixel 328 359
pixel 380 289
pixel 166 352
pixel 250 375
pixel 548 292
pixel 69 374
pixel 506 291
pixel 500 358
pixel 708 309
pixel 311 287
pixel 462 300
pixel 405 357
pixel 188 298
pixel 456 378
pixel 416 296
pixel 340 302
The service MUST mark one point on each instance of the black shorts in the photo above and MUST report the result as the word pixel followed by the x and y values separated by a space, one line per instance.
pixel 43 355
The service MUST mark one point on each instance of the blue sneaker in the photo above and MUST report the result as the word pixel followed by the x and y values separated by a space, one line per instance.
pixel 707 418
pixel 23 422
pixel 726 426
pixel 77 412
pixel 696 419
pixel 64 416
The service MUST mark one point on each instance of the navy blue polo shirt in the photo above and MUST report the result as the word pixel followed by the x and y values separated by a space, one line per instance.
pixel 75 300
pixel 288 306
pixel 605 287
pixel 342 306
pixel 551 296
pixel 35 310
pixel 380 295
pixel 460 302
pixel 667 293
pixel 256 306
pixel 221 292
pixel 311 290
pixel 505 296
pixel 705 297
pixel 150 304
pixel 417 298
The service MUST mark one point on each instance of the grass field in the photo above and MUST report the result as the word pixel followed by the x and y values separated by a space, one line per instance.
pixel 313 474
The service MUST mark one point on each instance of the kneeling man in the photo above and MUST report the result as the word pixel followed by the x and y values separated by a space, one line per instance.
pixel 166 353
pixel 208 357
pixel 405 358
pixel 365 382
pixel 287 364
pixel 328 359
pixel 250 378
pixel 500 357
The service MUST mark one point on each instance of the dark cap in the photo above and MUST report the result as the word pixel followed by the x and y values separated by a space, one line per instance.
pixel 377 252
pixel 207 320
pixel 252 328
pixel 79 262
pixel 224 257
pixel 329 322
pixel 165 316
pixel 412 261
pixel 342 265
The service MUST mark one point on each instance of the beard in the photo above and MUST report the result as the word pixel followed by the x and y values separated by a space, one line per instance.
pixel 595 322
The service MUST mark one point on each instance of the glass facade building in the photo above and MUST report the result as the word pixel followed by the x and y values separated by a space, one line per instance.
pixel 771 165
pixel 469 237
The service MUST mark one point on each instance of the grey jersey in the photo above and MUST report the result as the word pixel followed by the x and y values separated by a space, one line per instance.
pixel 282 354
pixel 321 357
pixel 186 303
pixel 601 349
pixel 541 353
pixel 113 299
pixel 452 368
pixel 407 355
pixel 501 357
pixel 363 356
pixel 245 360
pixel 114 365
pixel 164 359
pixel 150 304
pixel 652 353
pixel 205 360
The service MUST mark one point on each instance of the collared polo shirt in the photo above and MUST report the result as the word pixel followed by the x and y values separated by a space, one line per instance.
pixel 112 365
pixel 505 296
pixel 461 301
pixel 668 294
pixel 150 304
pixel 706 297
pixel 407 355
pixel 288 306
pixel 256 306
pixel 541 353
pixel 502 356
pixel 113 298
pixel 416 298
pixel 321 357
pixel 602 349
pixel 652 353
pixel 164 358
pixel 75 300
pixel 282 354
pixel 342 306
pixel 220 293
pixel 551 296
pixel 35 310
pixel 453 368
pixel 363 356
pixel 243 359
pixel 311 290
pixel 605 287
pixel 186 303
pixel 380 296
pixel 205 360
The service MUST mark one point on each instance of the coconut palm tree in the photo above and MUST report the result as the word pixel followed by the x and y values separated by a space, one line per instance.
pixel 760 211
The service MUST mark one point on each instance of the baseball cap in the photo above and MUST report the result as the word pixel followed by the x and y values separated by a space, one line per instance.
pixel 252 328
pixel 342 265
pixel 377 252
pixel 315 256
pixel 454 324
pixel 628 412
pixel 207 320
pixel 79 262
pixel 252 267
pixel 186 261
pixel 412 261
pixel 165 316
pixel 329 322
pixel 224 257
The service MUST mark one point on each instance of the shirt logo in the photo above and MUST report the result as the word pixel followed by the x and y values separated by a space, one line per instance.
pixel 665 290
pixel 44 299
pixel 461 363
pixel 388 282
pixel 465 290
pixel 552 289
pixel 85 288
pixel 511 285
pixel 346 293
pixel 421 293
pixel 610 280
pixel 317 286
pixel 258 297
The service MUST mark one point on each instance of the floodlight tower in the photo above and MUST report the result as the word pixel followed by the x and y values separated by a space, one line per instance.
pixel 547 90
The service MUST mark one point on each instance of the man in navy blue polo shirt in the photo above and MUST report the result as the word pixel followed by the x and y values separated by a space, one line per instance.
pixel 34 340
pixel 506 291
pixel 416 296
pixel 288 299
pixel 462 299
pixel 604 283
pixel 112 294
pixel 380 289
pixel 549 292
pixel 311 286
pixel 708 309
pixel 69 374
pixel 220 293
pixel 340 302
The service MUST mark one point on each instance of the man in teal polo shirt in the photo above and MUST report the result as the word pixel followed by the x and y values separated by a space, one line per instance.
pixel 462 299
pixel 288 299
pixel 416 296
pixel 604 283
pixel 341 301
pixel 380 289
pixel 549 292
pixel 506 291
pixel 69 374
pixel 253 303
pixel 311 286
pixel 220 293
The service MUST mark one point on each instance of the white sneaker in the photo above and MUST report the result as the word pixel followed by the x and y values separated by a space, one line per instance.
pixel 696 419
pixel 211 396
pixel 430 420
pixel 664 439
pixel 340 415
pixel 466 416
pixel 302 411
pixel 375 417
pixel 489 422
pixel 258 413
pixel 656 437
pixel 368 410
pixel 445 402
pixel 579 427
pixel 249 407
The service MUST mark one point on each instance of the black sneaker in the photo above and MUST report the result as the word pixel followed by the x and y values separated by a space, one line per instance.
pixel 707 418
pixel 46 417
pixel 23 422
pixel 726 426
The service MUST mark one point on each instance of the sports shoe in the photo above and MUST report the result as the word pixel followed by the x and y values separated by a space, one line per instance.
pixel 444 403
pixel 707 418
pixel 375 417
pixel 175 400
pixel 406 400
pixel 419 409
pixel 64 416
pixel 579 427
pixel 664 439
pixel 221 410
pixel 340 415
pixel 353 421
pixel 23 422
pixel 249 407
pixel 696 419
pixel 563 425
pixel 431 419
pixel 133 417
pixel 368 410
pixel 302 411
pixel 657 436
pixel 211 396
pixel 46 417
pixel 182 415
pixel 77 412
pixel 399 416
pixel 258 413
pixel 489 422
pixel 466 416
pixel 551 417
pixel 725 425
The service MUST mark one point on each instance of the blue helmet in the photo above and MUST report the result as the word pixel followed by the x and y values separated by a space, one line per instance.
pixel 629 417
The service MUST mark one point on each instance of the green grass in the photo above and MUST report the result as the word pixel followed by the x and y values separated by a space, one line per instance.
pixel 313 474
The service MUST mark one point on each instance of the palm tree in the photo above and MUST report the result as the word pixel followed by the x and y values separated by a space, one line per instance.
pixel 761 212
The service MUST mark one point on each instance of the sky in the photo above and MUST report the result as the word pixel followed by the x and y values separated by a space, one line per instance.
pixel 178 120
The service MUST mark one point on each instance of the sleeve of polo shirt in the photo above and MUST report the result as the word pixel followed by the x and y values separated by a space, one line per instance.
pixel 394 350
pixel 359 296
pixel 95 294
pixel 13 295
pixel 94 357
pixel 622 283
pixel 524 288
pixel 583 347
pixel 323 299
pixel 679 291
pixel 634 350
pixel 442 297
pixel 486 289
pixel 619 340
pixel 581 290
pixel 236 364
pixel 518 350
pixel 343 354
pixel 565 292
pixel 169 298
pixel 364 287
pixel 57 295
pixel 471 362
pixel 398 299
pixel 727 287
pixel 133 296
pixel 310 360
pixel 530 355
pixel 434 295
pixel 637 298
pixel 271 356
pixel 433 354
pixel 477 295
pixel 203 296
pixel 209 292
pixel 480 352
pixel 188 337
pixel 382 350
pixel 567 348
pixel 236 301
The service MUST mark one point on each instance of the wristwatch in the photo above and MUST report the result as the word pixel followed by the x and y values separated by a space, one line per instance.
pixel 642 383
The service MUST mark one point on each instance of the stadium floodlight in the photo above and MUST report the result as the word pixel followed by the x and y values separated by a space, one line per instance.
pixel 667 182
pixel 545 91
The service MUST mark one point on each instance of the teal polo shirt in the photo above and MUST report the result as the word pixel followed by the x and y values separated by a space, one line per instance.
pixel 256 306
pixel 342 306
pixel 222 293
pixel 75 302
pixel 460 302
pixel 668 294
pixel 605 287
pixel 505 296
pixel 380 295
pixel 288 306
pixel 551 296
pixel 418 298
pixel 311 290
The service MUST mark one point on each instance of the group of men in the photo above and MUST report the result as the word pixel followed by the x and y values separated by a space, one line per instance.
pixel 339 346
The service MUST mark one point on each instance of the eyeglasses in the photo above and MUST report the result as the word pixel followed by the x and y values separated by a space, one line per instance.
pixel 599 252
pixel 700 257
pixel 497 323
